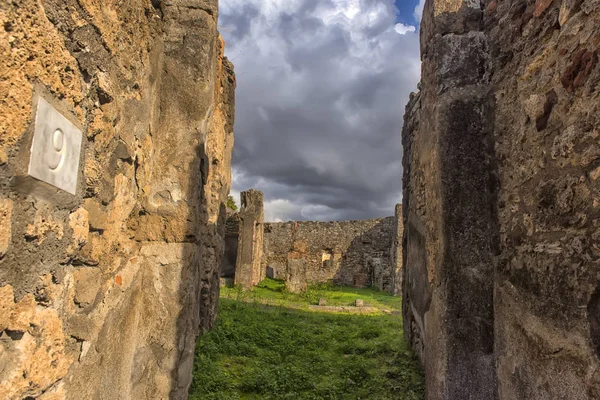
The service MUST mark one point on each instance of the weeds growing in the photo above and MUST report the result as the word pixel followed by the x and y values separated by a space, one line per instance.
pixel 259 351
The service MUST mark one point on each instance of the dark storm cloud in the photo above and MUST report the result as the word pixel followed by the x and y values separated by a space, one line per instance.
pixel 321 92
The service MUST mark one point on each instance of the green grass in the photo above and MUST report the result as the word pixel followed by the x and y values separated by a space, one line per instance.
pixel 259 351
pixel 273 292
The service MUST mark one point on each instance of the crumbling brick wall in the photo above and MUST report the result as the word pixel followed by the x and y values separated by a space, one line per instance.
pixel 501 209
pixel 355 253
pixel 102 293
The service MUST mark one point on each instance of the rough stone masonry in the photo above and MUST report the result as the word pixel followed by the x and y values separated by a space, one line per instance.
pixel 355 253
pixel 351 253
pixel 502 200
pixel 103 293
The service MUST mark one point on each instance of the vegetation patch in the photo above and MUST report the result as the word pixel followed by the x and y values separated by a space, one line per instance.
pixel 259 351
pixel 273 292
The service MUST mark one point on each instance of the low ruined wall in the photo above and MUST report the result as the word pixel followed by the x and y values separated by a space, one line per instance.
pixel 103 292
pixel 355 253
pixel 501 211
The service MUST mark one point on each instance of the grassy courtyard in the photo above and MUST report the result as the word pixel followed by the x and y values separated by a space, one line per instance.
pixel 271 344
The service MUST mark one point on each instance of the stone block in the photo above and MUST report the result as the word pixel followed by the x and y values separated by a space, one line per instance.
pixel 87 284
pixel 442 17
pixel 296 274
pixel 79 224
pixel 457 61
pixel 97 214
pixel 595 174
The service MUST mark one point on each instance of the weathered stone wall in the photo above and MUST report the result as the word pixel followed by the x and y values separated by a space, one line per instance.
pixel 396 252
pixel 248 271
pixel 448 213
pixel 546 81
pixel 102 293
pixel 355 253
pixel 232 232
pixel 501 210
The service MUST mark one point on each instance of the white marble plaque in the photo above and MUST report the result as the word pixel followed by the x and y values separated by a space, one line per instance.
pixel 56 149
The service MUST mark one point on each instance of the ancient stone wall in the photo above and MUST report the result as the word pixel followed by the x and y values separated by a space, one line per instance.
pixel 248 271
pixel 501 210
pixel 447 201
pixel 396 252
pixel 546 82
pixel 102 293
pixel 232 232
pixel 355 253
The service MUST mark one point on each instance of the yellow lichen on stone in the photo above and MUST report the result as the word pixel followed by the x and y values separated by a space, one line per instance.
pixel 31 50
pixel 38 359
pixel 78 221
pixel 126 38
pixel 451 6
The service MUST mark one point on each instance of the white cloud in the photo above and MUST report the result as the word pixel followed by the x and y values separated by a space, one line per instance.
pixel 418 13
pixel 279 210
pixel 404 29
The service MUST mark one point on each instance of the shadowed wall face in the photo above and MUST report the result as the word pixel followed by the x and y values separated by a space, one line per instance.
pixel 501 176
pixel 354 253
pixel 232 231
pixel 102 293
pixel 449 222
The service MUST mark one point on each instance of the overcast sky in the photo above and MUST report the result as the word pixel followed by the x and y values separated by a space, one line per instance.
pixel 321 90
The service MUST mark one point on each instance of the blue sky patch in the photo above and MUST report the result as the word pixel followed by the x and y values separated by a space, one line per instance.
pixel 406 10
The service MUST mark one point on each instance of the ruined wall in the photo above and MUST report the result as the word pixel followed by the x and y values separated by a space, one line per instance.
pixel 248 271
pixel 396 252
pixel 102 293
pixel 355 253
pixel 448 213
pixel 501 189
pixel 232 232
pixel 546 82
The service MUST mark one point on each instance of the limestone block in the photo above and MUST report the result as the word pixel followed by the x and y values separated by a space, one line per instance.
pixel 595 174
pixel 87 284
pixel 97 214
pixel 79 224
pixel 567 9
